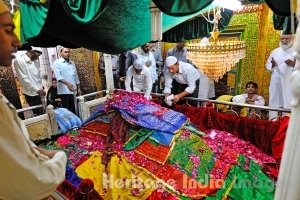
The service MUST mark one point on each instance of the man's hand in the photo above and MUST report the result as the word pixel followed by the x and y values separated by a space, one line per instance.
pixel 49 153
pixel 274 63
pixel 78 91
pixel 41 92
pixel 176 98
pixel 70 87
pixel 290 62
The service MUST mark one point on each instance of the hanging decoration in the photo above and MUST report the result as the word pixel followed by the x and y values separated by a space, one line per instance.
pixel 216 56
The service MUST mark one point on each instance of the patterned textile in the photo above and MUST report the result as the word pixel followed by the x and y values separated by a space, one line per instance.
pixel 192 155
pixel 66 120
pixel 258 132
pixel 245 181
pixel 121 180
pixel 141 112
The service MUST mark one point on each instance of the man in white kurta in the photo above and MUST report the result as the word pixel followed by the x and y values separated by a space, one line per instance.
pixel 148 58
pixel 28 70
pixel 142 81
pixel 26 171
pixel 281 63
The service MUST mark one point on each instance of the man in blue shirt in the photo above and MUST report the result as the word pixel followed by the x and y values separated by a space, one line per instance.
pixel 68 81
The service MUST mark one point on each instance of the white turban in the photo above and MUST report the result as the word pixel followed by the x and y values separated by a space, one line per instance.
pixel 239 99
pixel 138 64
pixel 3 7
pixel 171 60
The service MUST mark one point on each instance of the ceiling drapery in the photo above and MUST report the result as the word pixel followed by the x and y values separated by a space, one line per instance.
pixel 110 26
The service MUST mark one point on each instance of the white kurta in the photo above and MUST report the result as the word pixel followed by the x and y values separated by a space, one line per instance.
pixel 280 94
pixel 141 82
pixel 29 75
pixel 25 173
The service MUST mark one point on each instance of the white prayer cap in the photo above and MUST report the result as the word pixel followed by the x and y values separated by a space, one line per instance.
pixel 138 64
pixel 37 49
pixel 239 99
pixel 3 7
pixel 171 60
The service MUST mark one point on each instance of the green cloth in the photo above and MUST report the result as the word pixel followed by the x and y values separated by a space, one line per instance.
pixel 181 7
pixel 250 184
pixel 137 137
pixel 197 27
pixel 107 26
pixel 192 145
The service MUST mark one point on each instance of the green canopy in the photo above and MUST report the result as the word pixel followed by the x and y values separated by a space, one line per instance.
pixel 110 26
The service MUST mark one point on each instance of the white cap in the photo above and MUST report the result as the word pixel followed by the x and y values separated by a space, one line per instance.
pixel 171 60
pixel 138 64
pixel 239 99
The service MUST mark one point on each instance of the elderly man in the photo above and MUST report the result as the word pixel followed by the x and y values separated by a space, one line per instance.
pixel 281 63
pixel 27 172
pixel 142 81
pixel 185 78
pixel 28 70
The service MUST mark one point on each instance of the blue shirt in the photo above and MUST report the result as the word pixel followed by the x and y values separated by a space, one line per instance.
pixel 67 71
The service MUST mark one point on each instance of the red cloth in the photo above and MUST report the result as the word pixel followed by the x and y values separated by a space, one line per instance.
pixel 279 138
pixel 258 132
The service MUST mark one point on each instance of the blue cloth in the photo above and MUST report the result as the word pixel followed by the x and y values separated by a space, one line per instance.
pixel 162 138
pixel 72 177
pixel 151 116
pixel 66 120
pixel 144 115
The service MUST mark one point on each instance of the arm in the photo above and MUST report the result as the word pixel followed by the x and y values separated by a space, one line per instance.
pixel 128 79
pixel 168 83
pixel 60 78
pixel 260 101
pixel 35 175
pixel 148 83
pixel 269 64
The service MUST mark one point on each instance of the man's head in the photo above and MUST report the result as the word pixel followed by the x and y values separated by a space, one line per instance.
pixel 8 40
pixel 251 87
pixel 33 53
pixel 286 41
pixel 172 64
pixel 65 53
pixel 146 47
pixel 180 45
pixel 138 65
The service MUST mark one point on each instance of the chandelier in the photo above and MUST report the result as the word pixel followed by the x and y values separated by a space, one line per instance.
pixel 216 56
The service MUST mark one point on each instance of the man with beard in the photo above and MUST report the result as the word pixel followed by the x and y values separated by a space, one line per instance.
pixel 179 52
pixel 67 79
pixel 148 58
pixel 281 63
pixel 27 171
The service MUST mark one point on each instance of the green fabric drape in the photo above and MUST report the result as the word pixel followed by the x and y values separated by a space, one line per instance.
pixel 280 7
pixel 84 11
pixel 181 7
pixel 196 28
pixel 116 27
pixel 285 24
pixel 246 184
pixel 256 1
pixel 33 17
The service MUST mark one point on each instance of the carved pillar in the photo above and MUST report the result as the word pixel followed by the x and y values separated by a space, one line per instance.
pixel 9 87
pixel 84 62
